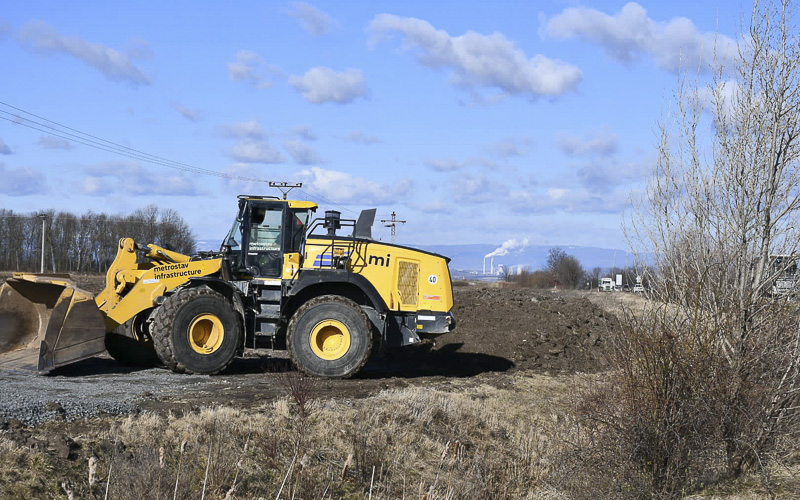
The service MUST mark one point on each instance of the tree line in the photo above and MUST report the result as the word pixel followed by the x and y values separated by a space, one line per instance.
pixel 84 243
pixel 565 271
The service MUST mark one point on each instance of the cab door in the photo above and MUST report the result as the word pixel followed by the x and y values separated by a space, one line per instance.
pixel 264 227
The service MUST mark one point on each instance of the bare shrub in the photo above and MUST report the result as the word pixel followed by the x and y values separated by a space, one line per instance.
pixel 565 268
pixel 562 270
pixel 535 279
pixel 708 373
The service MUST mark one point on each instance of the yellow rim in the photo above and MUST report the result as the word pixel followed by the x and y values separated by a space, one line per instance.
pixel 330 339
pixel 206 334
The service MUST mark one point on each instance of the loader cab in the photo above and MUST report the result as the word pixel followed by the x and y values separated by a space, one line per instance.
pixel 266 232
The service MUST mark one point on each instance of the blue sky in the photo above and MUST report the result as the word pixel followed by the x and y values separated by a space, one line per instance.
pixel 477 122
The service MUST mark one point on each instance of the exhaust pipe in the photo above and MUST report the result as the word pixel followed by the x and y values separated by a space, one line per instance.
pixel 46 321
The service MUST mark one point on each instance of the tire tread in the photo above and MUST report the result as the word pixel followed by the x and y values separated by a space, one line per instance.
pixel 290 331
pixel 163 322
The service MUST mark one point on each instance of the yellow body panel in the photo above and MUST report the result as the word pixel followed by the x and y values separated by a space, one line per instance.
pixel 291 264
pixel 132 287
pixel 408 280
pixel 301 204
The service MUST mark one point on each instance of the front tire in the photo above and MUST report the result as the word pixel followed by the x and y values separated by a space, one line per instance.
pixel 196 330
pixel 130 344
pixel 329 336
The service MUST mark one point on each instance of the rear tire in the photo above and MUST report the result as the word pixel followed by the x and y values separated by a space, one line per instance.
pixel 196 331
pixel 130 345
pixel 329 336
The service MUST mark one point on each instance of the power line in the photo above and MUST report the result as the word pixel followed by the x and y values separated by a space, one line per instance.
pixel 319 197
pixel 72 134
pixel 68 133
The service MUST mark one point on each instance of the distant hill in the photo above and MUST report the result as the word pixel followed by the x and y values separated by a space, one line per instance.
pixel 470 257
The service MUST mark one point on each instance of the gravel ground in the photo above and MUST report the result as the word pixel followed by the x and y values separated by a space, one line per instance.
pixel 84 390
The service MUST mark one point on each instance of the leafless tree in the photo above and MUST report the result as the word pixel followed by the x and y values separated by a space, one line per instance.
pixel 86 243
pixel 507 273
pixel 565 268
pixel 711 368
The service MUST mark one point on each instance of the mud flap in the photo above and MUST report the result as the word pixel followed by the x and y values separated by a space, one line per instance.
pixel 395 329
pixel 46 321
pixel 401 330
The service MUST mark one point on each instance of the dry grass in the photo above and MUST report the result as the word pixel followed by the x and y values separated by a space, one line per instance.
pixel 506 437
pixel 474 441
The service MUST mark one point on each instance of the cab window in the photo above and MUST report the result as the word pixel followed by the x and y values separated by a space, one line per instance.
pixel 299 224
pixel 264 256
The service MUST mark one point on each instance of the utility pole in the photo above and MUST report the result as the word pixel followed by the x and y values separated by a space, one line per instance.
pixel 44 218
pixel 285 185
pixel 392 223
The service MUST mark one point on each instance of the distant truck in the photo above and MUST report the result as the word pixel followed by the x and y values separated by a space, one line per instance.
pixel 606 285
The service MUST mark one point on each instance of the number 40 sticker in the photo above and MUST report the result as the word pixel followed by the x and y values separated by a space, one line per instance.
pixel 433 279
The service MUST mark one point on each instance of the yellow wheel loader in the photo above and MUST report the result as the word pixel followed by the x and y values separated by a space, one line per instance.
pixel 281 278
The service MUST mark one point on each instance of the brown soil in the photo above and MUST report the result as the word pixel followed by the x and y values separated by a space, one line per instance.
pixel 539 331
pixel 502 329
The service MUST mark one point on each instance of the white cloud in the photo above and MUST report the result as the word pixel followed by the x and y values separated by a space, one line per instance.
pixel 321 84
pixel 4 149
pixel 194 115
pixel 604 176
pixel 510 148
pixel 254 146
pixel 50 142
pixel 304 132
pixel 630 33
pixel 22 181
pixel 313 20
pixel 478 60
pixel 452 165
pixel 445 165
pixel 113 64
pixel 359 137
pixel 575 200
pixel 255 151
pixel 436 207
pixel 342 187
pixel 600 142
pixel 249 171
pixel 556 194
pixel 248 130
pixel 476 188
pixel 301 153
pixel 131 178
pixel 251 68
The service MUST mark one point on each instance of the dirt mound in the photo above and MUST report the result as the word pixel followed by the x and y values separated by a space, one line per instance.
pixel 535 330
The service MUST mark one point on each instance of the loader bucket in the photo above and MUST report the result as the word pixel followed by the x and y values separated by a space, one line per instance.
pixel 46 321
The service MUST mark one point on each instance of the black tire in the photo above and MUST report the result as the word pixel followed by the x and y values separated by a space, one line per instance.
pixel 178 320
pixel 130 344
pixel 310 318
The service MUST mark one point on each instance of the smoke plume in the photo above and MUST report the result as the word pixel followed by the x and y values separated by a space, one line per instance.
pixel 511 245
